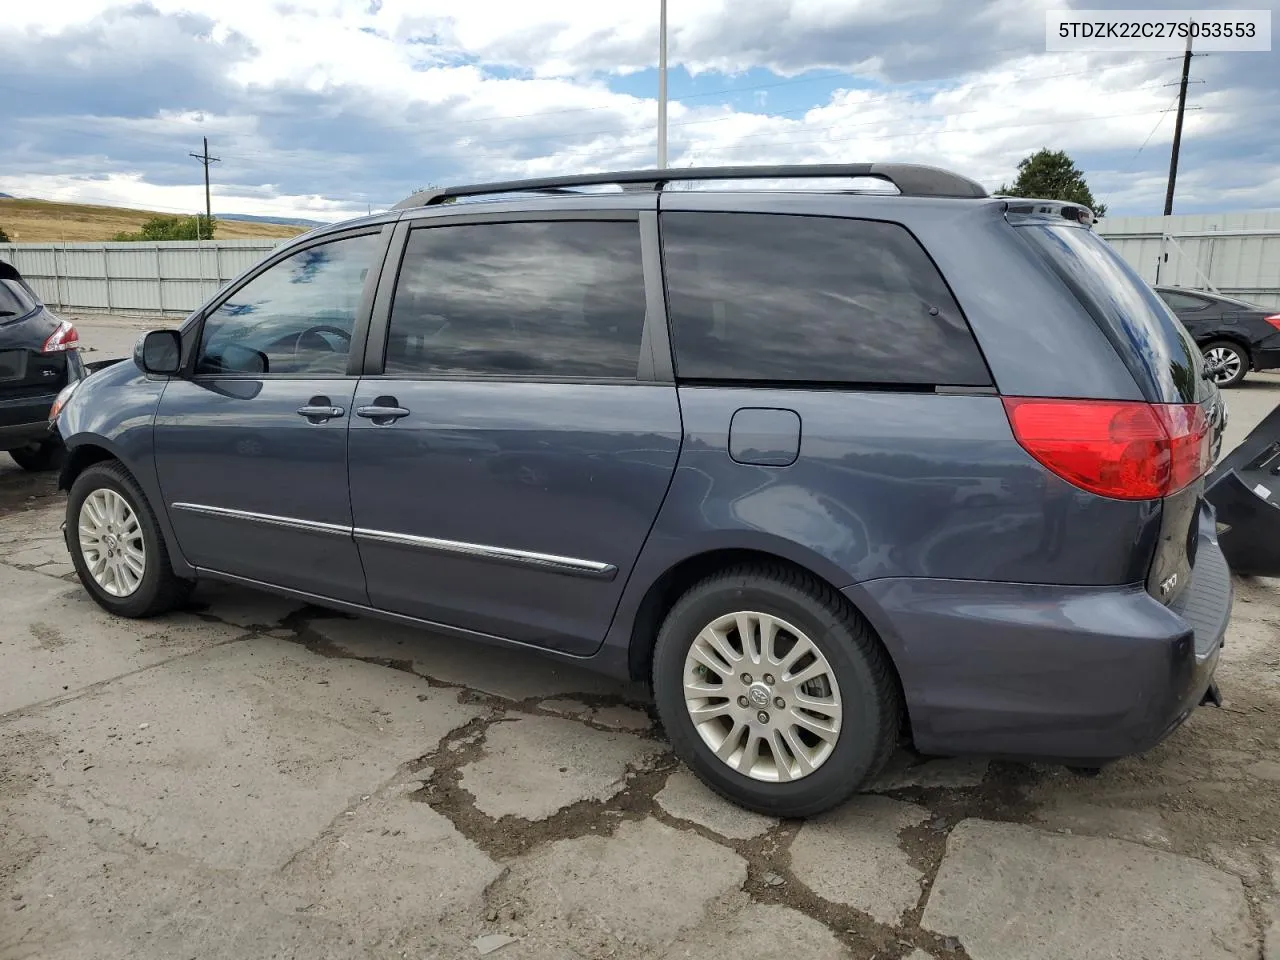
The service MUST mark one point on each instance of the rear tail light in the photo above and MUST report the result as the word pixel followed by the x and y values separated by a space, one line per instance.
pixel 1118 449
pixel 1274 320
pixel 63 338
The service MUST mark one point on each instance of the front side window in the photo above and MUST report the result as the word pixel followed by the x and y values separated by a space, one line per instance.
pixel 795 299
pixel 296 318
pixel 557 299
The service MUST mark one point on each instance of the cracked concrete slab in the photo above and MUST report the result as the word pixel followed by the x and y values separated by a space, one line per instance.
pixel 532 767
pixel 1012 892
pixel 56 640
pixel 150 753
pixel 1271 932
pixel 1076 816
pixel 686 798
pixel 853 856
pixel 761 932
pixel 397 870
pixel 637 890
pixel 503 672
pixel 87 890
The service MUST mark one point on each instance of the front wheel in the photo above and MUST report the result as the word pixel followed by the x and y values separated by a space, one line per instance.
pixel 774 691
pixel 1227 362
pixel 116 545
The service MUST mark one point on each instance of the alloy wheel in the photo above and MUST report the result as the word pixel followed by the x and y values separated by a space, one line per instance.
pixel 762 696
pixel 1224 364
pixel 111 542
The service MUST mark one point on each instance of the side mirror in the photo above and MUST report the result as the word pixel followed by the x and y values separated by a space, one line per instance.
pixel 159 353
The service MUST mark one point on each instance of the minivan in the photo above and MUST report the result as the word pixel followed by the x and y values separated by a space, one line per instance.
pixel 830 467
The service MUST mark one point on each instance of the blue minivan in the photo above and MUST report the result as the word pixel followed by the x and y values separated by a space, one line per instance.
pixel 830 467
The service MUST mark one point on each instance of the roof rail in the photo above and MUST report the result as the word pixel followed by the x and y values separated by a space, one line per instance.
pixel 911 179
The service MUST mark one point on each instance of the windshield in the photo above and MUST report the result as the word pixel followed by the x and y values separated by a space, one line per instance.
pixel 1147 335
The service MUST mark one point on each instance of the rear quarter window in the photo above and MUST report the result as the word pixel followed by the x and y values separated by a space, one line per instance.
pixel 796 299
pixel 1149 338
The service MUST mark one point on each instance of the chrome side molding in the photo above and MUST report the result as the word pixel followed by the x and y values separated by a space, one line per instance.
pixel 571 566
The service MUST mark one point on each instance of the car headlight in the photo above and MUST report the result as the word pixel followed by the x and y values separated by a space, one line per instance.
pixel 61 400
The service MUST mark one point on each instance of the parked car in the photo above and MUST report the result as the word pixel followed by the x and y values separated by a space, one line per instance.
pixel 39 356
pixel 1234 336
pixel 711 439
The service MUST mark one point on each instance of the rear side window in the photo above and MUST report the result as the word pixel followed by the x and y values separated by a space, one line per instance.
pixel 769 297
pixel 14 301
pixel 1182 301
pixel 560 299
pixel 1149 338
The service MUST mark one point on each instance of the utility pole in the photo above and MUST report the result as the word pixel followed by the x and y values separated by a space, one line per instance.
pixel 205 159
pixel 1177 128
pixel 662 84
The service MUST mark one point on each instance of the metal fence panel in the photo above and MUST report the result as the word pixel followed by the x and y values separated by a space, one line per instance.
pixel 167 277
pixel 1236 254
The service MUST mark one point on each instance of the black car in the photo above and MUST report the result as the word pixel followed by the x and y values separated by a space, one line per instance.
pixel 39 356
pixel 1234 336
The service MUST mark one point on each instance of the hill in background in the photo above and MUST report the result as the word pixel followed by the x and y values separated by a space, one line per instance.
pixel 42 221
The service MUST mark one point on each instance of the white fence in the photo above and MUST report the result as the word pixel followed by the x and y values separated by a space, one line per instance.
pixel 170 277
pixel 1235 254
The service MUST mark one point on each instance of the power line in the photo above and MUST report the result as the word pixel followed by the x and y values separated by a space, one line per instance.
pixel 205 159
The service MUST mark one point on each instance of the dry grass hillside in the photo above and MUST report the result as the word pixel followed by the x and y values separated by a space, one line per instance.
pixel 40 221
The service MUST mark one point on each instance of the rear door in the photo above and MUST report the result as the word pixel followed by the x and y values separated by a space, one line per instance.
pixel 513 438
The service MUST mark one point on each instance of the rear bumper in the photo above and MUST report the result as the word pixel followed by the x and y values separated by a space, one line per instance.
pixel 1266 359
pixel 24 420
pixel 1045 672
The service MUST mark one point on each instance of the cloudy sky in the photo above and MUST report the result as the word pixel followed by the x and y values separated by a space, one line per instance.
pixel 323 108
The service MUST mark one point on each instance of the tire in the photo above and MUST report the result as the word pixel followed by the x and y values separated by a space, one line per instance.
pixel 1232 356
pixel 158 590
pixel 865 690
pixel 38 457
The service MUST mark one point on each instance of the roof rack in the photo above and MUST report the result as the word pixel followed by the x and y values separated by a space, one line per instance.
pixel 911 179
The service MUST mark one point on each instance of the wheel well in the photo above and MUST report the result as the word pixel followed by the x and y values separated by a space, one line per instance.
pixel 79 460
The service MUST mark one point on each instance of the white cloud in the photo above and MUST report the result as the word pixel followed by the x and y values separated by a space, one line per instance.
pixel 321 107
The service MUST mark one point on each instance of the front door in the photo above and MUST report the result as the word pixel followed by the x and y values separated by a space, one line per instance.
pixel 507 465
pixel 251 447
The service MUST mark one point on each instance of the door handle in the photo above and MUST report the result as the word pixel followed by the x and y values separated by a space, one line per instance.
pixel 382 411
pixel 319 409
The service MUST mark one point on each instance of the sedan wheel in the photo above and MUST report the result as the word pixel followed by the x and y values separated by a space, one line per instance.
pixel 762 697
pixel 1226 363
pixel 111 542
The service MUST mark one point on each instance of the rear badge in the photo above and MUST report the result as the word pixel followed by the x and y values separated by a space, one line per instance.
pixel 1167 585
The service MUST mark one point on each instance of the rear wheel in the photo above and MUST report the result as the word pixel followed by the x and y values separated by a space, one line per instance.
pixel 116 545
pixel 47 455
pixel 1226 361
pixel 774 691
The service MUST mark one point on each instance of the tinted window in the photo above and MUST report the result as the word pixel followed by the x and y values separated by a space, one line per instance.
pixel 1180 301
pixel 1148 337
pixel 817 299
pixel 562 299
pixel 299 314
pixel 14 301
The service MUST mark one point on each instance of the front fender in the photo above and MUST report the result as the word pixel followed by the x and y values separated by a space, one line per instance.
pixel 112 415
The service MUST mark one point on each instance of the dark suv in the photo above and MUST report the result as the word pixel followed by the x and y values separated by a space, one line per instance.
pixel 828 467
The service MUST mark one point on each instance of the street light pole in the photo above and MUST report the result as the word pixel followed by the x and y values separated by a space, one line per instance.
pixel 662 85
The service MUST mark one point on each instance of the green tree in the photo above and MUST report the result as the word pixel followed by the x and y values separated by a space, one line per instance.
pixel 4 237
pixel 198 227
pixel 1051 175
